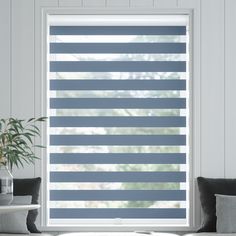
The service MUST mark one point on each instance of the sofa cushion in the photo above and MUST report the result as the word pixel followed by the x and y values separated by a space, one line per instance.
pixel 209 234
pixel 31 187
pixel 225 213
pixel 208 187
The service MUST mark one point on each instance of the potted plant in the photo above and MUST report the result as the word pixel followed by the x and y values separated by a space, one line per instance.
pixel 16 148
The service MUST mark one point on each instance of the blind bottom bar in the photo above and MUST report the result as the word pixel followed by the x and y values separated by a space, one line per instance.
pixel 128 213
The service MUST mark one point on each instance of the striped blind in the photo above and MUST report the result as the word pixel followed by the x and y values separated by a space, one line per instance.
pixel 118 135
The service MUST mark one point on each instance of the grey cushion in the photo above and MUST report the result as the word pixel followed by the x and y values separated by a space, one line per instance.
pixel 21 200
pixel 208 187
pixel 208 234
pixel 225 213
pixel 15 222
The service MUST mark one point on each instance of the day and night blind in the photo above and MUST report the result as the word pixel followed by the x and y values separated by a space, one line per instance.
pixel 118 135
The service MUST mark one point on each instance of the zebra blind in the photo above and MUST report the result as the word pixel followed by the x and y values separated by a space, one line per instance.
pixel 118 135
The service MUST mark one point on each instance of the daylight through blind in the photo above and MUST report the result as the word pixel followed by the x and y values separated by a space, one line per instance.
pixel 118 135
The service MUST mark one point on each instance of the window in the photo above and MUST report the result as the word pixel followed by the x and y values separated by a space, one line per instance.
pixel 118 102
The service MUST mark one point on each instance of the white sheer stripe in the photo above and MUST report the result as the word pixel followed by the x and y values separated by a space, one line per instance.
pixel 113 204
pixel 117 75
pixel 115 38
pixel 117 57
pixel 114 186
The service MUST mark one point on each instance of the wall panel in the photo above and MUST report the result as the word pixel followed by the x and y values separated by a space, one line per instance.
pixel 23 58
pixel 141 3
pixel 189 4
pixel 70 3
pixel 5 59
pixel 94 3
pixel 212 88
pixel 214 85
pixel 230 88
pixel 165 3
pixel 23 65
pixel 120 3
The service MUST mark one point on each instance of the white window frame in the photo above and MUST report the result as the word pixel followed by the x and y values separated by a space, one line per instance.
pixel 118 224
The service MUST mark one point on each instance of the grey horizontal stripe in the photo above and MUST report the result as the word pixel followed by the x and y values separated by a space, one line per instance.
pixel 117 195
pixel 66 176
pixel 117 66
pixel 117 121
pixel 117 48
pixel 125 213
pixel 123 140
pixel 117 30
pixel 117 84
pixel 116 103
pixel 117 158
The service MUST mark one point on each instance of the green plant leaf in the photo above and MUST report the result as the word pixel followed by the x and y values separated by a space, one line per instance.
pixel 31 119
pixel 17 140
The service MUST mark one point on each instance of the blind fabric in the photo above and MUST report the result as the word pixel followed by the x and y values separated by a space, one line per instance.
pixel 118 122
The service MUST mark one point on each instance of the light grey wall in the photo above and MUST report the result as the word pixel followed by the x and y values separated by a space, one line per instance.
pixel 214 81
